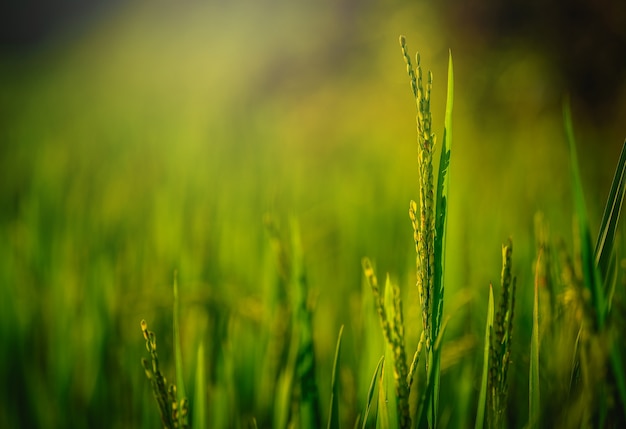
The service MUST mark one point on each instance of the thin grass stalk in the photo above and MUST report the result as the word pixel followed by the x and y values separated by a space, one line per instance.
pixel 178 355
pixel 429 218
pixel 591 276
pixel 173 413
pixel 303 323
pixel 608 227
pixel 500 348
pixel 370 392
pixel 482 399
pixel 596 261
pixel 333 417
pixel 199 403
pixel 391 318
pixel 156 377
pixel 422 216
pixel 534 403
pixel 606 262
pixel 382 417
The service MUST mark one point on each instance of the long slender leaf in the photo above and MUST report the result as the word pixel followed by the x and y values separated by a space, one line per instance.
pixel 284 386
pixel 441 205
pixel 443 177
pixel 303 323
pixel 370 391
pixel 425 400
pixel 178 355
pixel 482 399
pixel 591 276
pixel 333 418
pixel 617 364
pixel 610 219
pixel 533 389
pixel 606 262
pixel 199 403
pixel 382 418
pixel 390 359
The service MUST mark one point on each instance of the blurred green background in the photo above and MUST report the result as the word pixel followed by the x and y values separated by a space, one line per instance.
pixel 139 138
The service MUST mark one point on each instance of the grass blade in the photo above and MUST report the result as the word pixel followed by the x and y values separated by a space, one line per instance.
pixel 370 392
pixel 533 389
pixel 392 399
pixel 333 418
pixel 443 177
pixel 441 205
pixel 199 403
pixel 482 400
pixel 303 325
pixel 591 276
pixel 178 355
pixel 284 388
pixel 382 418
pixel 423 419
pixel 610 219
pixel 605 258
pixel 617 365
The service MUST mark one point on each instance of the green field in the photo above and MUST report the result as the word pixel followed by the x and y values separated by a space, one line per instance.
pixel 262 155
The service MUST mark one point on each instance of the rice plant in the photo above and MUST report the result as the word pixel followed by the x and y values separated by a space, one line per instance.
pixel 173 408
pixel 135 148
pixel 429 229
pixel 429 226
pixel 501 340
pixel 497 348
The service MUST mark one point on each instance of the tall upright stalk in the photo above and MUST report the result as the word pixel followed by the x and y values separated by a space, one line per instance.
pixel 429 221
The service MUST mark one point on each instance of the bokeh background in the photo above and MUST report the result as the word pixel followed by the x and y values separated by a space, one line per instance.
pixel 138 138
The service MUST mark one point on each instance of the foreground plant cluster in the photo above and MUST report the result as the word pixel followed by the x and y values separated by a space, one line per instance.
pixel 575 367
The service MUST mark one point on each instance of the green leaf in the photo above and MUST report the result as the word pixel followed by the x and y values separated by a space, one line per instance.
pixel 591 276
pixel 199 403
pixel 443 177
pixel 533 385
pixel 284 387
pixel 441 207
pixel 610 219
pixel 606 259
pixel 617 365
pixel 382 418
pixel 303 325
pixel 333 418
pixel 370 392
pixel 422 419
pixel 390 360
pixel 178 355
pixel 482 399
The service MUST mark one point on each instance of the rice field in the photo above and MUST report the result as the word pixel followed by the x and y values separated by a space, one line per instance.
pixel 266 211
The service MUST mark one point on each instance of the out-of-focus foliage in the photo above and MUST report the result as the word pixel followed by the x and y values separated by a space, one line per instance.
pixel 157 137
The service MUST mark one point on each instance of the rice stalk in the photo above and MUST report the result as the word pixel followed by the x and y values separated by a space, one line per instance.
pixel 296 385
pixel 307 394
pixel 597 273
pixel 429 218
pixel 278 315
pixel 390 314
pixel 482 399
pixel 172 415
pixel 591 276
pixel 500 353
pixel 178 358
